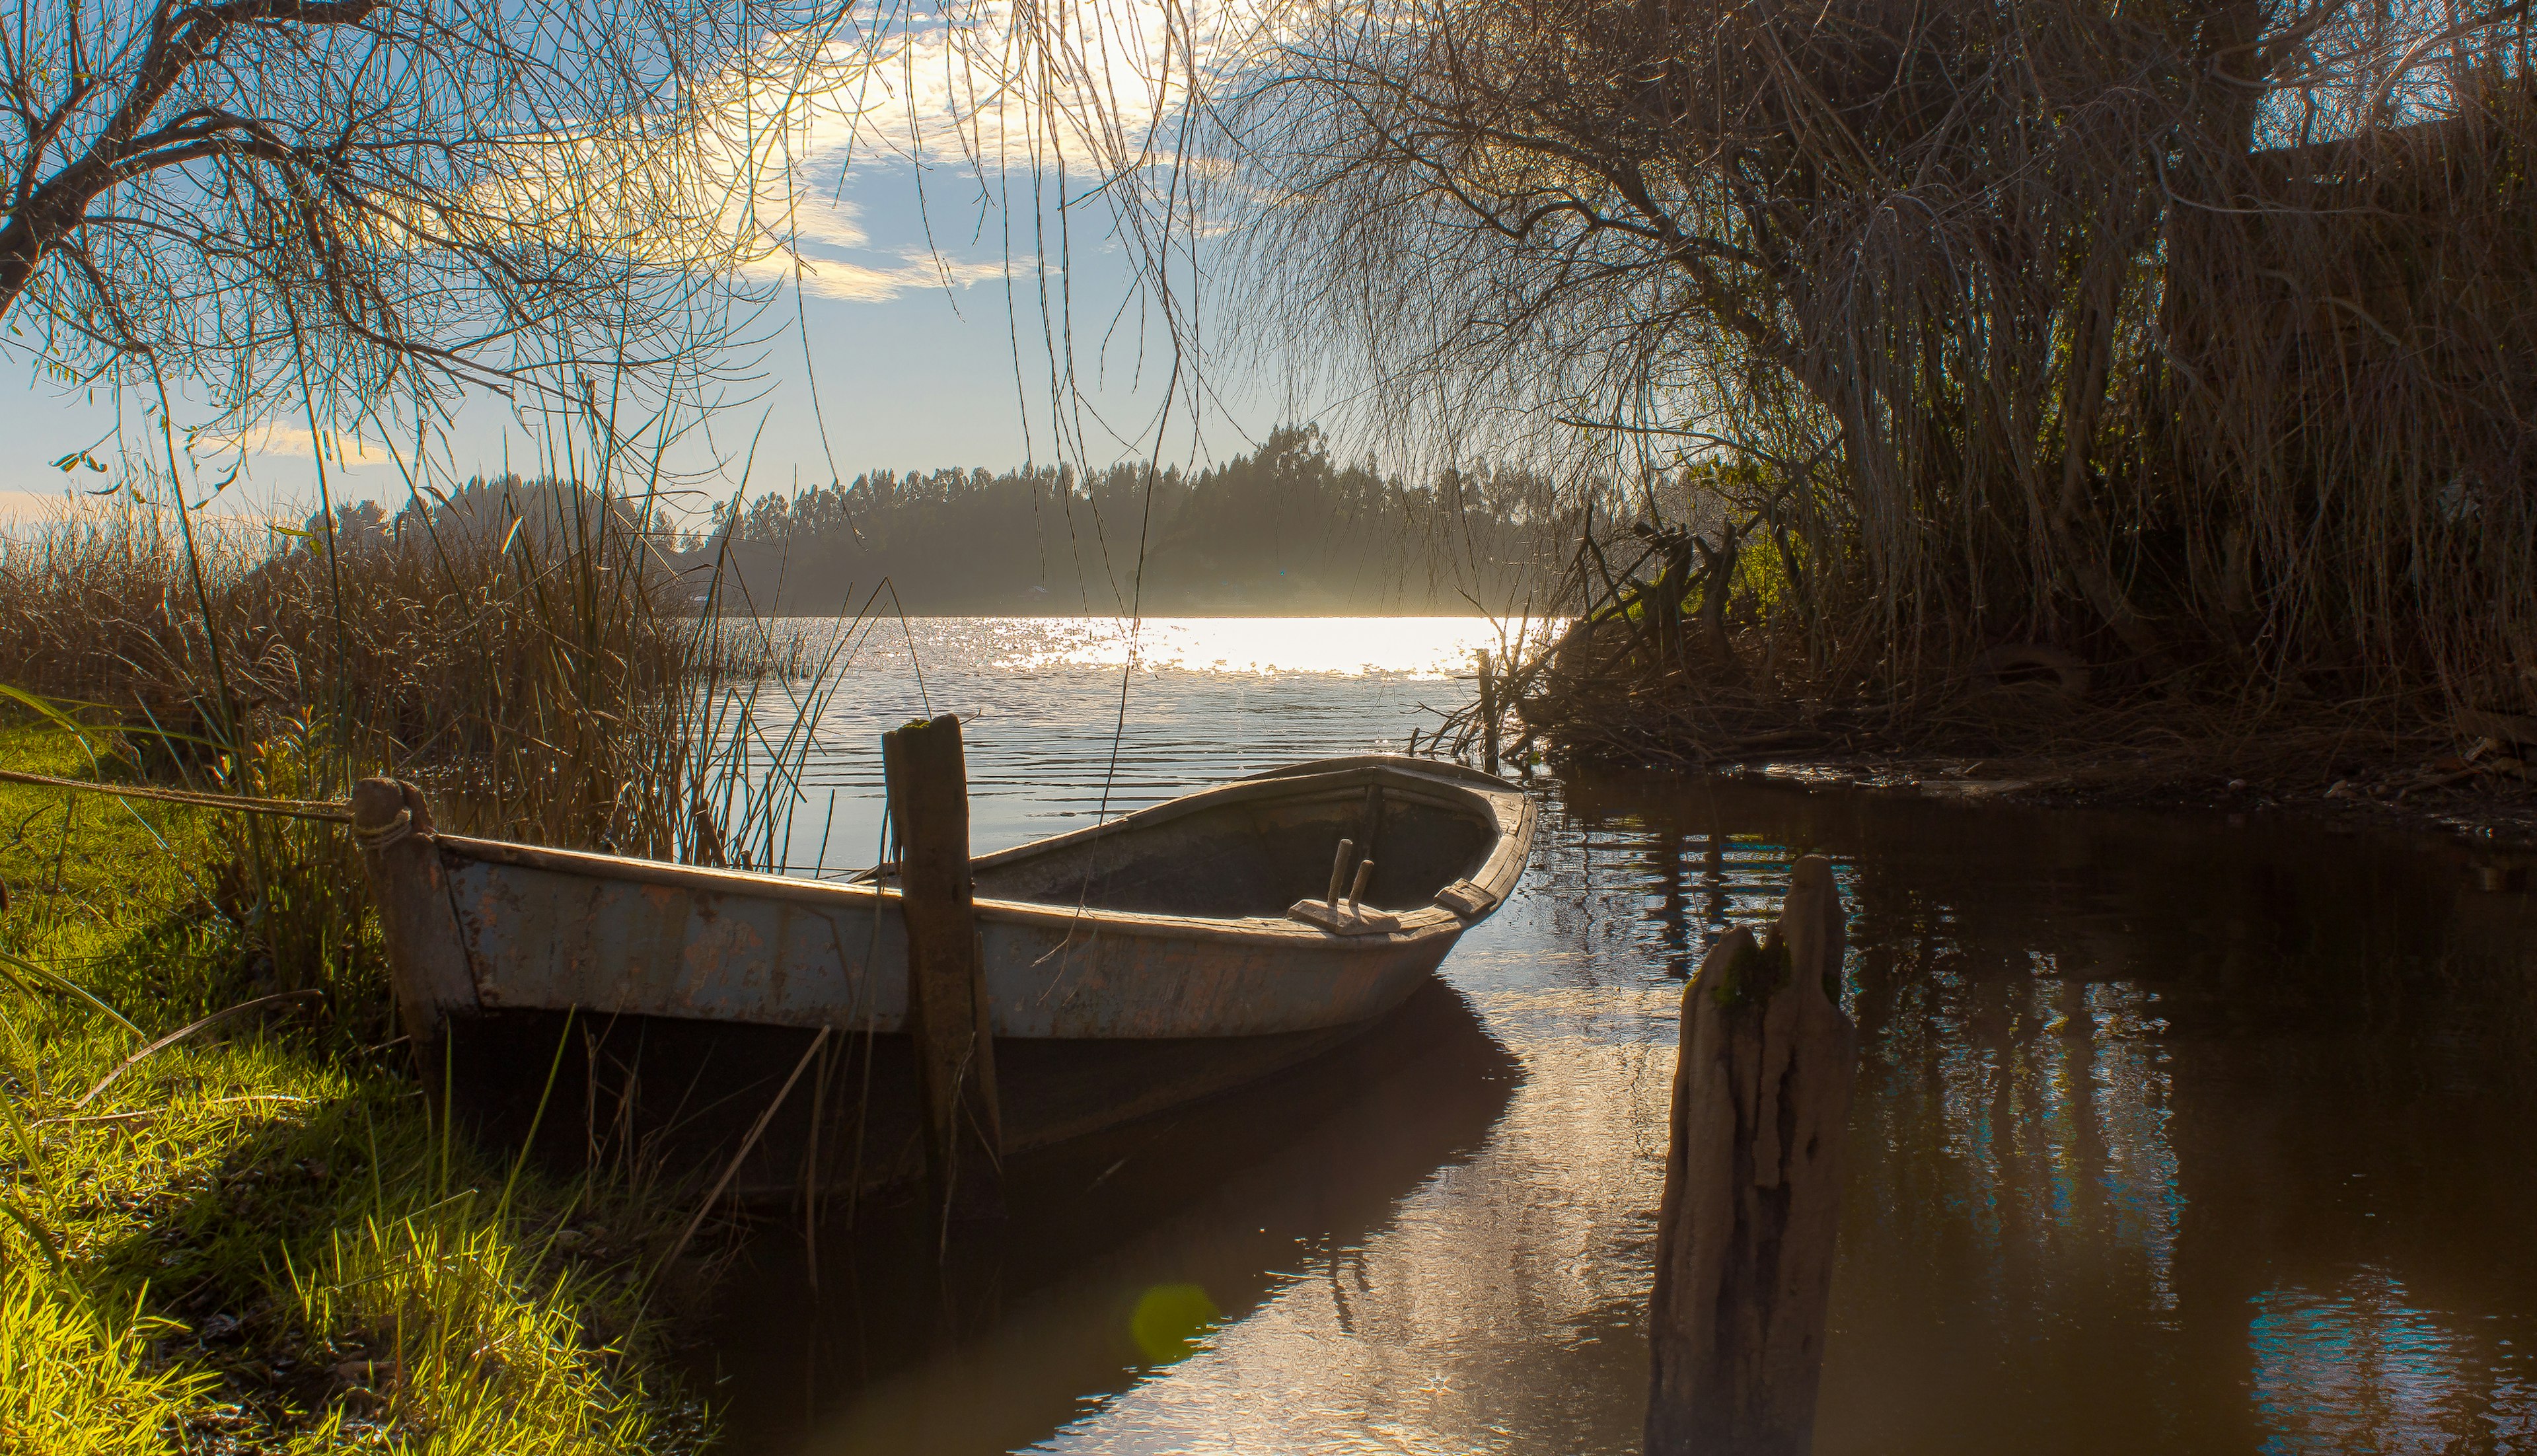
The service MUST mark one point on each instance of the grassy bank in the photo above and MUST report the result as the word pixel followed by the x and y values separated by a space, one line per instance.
pixel 257 1239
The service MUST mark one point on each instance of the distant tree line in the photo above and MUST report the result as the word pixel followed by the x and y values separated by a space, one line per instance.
pixel 1284 530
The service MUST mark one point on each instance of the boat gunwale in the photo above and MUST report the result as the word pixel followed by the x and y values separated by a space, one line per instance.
pixel 1305 783
pixel 1508 809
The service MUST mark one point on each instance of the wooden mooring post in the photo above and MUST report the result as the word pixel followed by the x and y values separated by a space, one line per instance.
pixel 927 779
pixel 1488 715
pixel 1752 1193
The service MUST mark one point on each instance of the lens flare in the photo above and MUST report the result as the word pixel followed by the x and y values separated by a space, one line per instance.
pixel 1170 1321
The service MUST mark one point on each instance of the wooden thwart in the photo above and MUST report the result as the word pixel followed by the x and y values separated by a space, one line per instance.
pixel 1348 915
pixel 927 779
pixel 1752 1193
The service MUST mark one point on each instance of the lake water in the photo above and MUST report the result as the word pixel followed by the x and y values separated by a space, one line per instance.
pixel 2173 1134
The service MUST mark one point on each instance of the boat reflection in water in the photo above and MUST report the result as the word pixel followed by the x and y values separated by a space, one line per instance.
pixel 1124 1253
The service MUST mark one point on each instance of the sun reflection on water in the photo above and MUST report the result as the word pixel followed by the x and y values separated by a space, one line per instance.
pixel 1417 647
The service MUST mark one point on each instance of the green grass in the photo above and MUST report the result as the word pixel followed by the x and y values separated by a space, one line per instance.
pixel 258 1239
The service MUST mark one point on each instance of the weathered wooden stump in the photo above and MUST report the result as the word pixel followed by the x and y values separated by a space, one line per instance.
pixel 1752 1194
pixel 927 778
pixel 1488 714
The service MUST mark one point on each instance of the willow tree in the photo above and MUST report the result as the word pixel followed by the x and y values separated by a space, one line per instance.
pixel 2002 323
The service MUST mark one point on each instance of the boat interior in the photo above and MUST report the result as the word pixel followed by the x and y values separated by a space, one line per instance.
pixel 1258 850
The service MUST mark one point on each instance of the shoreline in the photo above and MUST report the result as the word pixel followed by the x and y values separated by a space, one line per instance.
pixel 2393 796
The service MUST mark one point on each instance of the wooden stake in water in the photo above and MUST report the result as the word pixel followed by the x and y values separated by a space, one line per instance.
pixel 1752 1194
pixel 1488 715
pixel 927 778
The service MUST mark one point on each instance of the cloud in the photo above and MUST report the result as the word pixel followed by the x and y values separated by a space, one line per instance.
pixel 1087 84
pixel 345 449
pixel 1008 93
pixel 834 277
pixel 741 173
pixel 828 254
pixel 741 176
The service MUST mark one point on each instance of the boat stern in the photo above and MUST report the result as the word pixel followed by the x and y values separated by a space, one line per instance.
pixel 427 963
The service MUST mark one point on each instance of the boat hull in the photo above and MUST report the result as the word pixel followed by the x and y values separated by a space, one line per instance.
pixel 545 929
pixel 664 1010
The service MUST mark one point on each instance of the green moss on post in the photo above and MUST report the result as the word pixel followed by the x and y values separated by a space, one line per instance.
pixel 1751 972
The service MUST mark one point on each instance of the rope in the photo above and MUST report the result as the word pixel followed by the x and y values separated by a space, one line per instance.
pixel 335 810
pixel 387 834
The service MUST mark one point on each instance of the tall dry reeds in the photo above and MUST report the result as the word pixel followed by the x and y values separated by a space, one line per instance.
pixel 522 649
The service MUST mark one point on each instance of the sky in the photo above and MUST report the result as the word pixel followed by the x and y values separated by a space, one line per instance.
pixel 912 342
pixel 899 350
pixel 910 371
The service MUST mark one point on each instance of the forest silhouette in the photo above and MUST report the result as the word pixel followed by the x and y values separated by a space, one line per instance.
pixel 1283 531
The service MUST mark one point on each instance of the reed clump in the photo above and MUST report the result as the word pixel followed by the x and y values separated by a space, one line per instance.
pixel 525 647
pixel 522 649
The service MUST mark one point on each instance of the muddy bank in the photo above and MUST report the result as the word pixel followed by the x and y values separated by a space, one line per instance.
pixel 2481 798
pixel 2039 737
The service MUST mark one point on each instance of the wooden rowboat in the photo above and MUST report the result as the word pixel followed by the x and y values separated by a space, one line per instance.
pixel 1160 957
